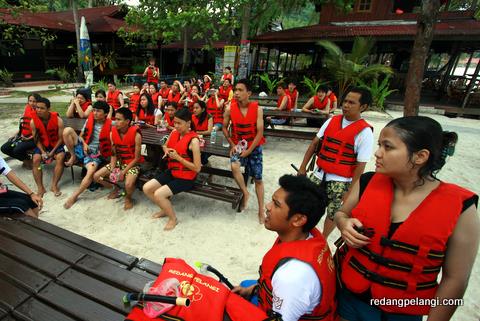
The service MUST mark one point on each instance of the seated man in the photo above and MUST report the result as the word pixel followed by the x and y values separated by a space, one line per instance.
pixel 126 147
pixel 91 148
pixel 333 100
pixel 15 202
pixel 297 275
pixel 47 130
pixel 320 103
pixel 284 103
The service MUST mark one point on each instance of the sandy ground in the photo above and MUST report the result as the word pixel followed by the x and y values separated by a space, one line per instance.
pixel 210 231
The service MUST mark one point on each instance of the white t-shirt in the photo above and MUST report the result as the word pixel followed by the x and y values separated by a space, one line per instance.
pixel 296 290
pixel 363 147
pixel 4 168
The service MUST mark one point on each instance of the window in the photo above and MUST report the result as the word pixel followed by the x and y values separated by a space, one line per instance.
pixel 364 5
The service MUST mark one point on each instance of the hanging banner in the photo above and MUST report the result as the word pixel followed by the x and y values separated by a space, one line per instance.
pixel 244 60
pixel 229 56
pixel 218 68
pixel 86 53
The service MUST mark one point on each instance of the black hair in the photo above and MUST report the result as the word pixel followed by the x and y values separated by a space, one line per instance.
pixel 198 88
pixel 137 84
pixel 365 95
pixel 229 80
pixel 173 104
pixel 183 114
pixel 154 85
pixel 126 112
pixel 84 94
pixel 229 68
pixel 111 82
pixel 101 105
pixel 101 91
pixel 304 197
pixel 204 113
pixel 246 83
pixel 45 101
pixel 420 132
pixel 150 110
pixel 34 95
pixel 322 88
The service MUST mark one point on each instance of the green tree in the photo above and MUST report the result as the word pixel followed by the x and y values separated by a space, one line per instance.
pixel 348 68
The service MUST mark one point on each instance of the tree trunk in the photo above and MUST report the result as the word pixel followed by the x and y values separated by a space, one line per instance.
pixel 185 50
pixel 77 33
pixel 247 10
pixel 423 39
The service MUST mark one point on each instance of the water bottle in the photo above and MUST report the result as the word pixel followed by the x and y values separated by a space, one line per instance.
pixel 213 135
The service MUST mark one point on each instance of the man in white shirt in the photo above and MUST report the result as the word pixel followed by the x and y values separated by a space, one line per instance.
pixel 297 276
pixel 346 147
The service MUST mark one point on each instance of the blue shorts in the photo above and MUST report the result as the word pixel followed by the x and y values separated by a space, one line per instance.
pixel 59 150
pixel 253 163
pixel 85 159
pixel 353 309
pixel 246 284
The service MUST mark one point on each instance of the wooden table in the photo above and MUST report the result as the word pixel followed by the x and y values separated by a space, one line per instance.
pixel 290 132
pixel 273 112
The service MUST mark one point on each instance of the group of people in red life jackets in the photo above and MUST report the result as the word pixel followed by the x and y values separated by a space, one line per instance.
pixel 390 247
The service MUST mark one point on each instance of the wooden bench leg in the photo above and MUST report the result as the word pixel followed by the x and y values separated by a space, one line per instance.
pixel 73 174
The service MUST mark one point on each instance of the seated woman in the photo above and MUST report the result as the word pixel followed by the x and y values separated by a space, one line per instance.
pixel 183 151
pixel 145 111
pixel 170 110
pixel 80 106
pixel 22 142
pixel 402 226
pixel 12 202
pixel 202 123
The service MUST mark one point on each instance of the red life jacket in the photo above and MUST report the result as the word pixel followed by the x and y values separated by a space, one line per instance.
pixel 337 154
pixel 168 119
pixel 224 93
pixel 407 264
pixel 180 144
pixel 209 298
pixel 289 102
pixel 84 107
pixel 244 127
pixel 47 136
pixel 26 130
pixel 155 98
pixel 332 97
pixel 112 99
pixel 200 127
pixel 150 77
pixel 229 77
pixel 206 86
pixel 125 147
pixel 212 109
pixel 319 104
pixel 142 115
pixel 134 101
pixel 316 253
pixel 164 92
pixel 104 139
pixel 171 97
pixel 293 95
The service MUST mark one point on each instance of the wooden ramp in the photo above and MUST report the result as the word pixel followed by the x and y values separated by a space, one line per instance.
pixel 49 274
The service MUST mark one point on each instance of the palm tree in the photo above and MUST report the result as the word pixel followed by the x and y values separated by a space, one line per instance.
pixel 348 68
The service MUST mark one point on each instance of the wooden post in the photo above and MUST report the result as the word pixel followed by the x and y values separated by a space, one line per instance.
pixel 423 39
pixel 268 58
pixel 450 65
pixel 278 62
pixel 471 84
pixel 295 64
pixel 468 63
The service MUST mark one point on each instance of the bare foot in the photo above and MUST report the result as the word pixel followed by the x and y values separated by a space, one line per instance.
pixel 261 217
pixel 69 203
pixel 159 214
pixel 71 161
pixel 41 191
pixel 56 191
pixel 244 201
pixel 128 203
pixel 170 224
pixel 113 194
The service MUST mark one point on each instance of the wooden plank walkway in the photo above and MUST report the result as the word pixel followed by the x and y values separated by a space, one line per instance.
pixel 48 274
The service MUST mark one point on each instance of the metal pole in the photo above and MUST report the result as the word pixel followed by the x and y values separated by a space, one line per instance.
pixel 471 84
pixel 468 63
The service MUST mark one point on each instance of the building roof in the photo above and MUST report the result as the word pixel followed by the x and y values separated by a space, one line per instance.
pixel 399 29
pixel 99 20
pixel 195 45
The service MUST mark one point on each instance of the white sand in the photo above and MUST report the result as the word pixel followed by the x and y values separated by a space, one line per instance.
pixel 210 231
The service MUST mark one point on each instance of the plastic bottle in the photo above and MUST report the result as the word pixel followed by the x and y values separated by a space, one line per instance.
pixel 213 135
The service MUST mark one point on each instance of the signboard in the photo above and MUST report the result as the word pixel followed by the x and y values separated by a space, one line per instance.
pixel 230 53
pixel 244 60
pixel 218 69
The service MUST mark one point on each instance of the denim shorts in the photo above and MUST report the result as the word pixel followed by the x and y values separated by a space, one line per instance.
pixel 85 159
pixel 57 151
pixel 253 163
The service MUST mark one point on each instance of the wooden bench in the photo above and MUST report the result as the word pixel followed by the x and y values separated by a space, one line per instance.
pixel 203 188
pixel 272 100
pixel 286 133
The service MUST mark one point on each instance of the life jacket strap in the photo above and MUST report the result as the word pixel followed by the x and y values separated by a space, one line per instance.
pixel 413 249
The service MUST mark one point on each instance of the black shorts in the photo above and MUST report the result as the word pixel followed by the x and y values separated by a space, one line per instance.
pixel 176 185
pixel 13 202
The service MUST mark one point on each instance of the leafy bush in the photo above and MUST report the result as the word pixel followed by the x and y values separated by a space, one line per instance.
pixel 312 85
pixel 380 91
pixel 6 77
pixel 60 73
pixel 101 84
pixel 270 83
pixel 138 69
